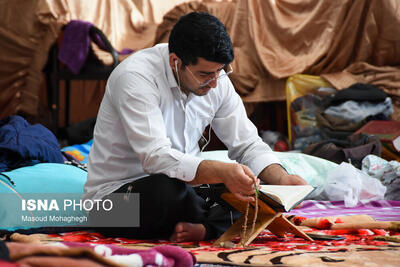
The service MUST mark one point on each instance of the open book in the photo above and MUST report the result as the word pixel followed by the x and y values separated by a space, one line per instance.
pixel 284 197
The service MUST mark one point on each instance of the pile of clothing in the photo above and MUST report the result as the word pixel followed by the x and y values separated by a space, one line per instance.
pixel 23 144
pixel 351 108
pixel 337 114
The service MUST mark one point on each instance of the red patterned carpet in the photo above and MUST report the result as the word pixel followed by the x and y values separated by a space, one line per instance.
pixel 359 248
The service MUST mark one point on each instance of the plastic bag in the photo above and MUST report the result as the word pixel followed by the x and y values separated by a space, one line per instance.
pixel 352 185
pixel 387 172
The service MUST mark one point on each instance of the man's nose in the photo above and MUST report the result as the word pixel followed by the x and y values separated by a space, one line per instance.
pixel 213 83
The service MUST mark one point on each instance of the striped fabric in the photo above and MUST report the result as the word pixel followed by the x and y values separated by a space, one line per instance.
pixel 382 210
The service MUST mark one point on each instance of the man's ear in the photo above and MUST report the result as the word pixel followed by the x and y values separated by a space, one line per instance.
pixel 174 61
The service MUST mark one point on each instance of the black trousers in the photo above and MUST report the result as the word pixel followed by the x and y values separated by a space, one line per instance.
pixel 4 252
pixel 164 202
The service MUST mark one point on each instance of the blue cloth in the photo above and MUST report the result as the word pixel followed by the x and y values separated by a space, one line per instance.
pixel 22 144
pixel 80 152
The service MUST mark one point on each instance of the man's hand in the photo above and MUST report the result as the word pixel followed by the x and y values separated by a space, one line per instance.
pixel 292 179
pixel 238 178
pixel 276 174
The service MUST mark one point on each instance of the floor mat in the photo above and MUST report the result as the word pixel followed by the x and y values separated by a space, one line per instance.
pixel 360 247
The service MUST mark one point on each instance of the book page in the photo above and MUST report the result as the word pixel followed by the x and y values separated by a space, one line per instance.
pixel 288 195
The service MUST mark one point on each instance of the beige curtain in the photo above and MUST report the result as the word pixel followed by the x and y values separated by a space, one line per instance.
pixel 273 39
pixel 29 28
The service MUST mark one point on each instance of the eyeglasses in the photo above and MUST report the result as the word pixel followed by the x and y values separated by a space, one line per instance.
pixel 216 76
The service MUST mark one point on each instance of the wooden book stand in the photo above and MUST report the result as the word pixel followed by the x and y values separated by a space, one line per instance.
pixel 266 218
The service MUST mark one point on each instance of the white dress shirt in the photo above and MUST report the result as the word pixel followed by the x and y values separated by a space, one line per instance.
pixel 146 125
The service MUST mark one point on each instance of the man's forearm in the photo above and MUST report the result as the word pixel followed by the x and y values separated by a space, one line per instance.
pixel 208 173
pixel 272 174
pixel 276 174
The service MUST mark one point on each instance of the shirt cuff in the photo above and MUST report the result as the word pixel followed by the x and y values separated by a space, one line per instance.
pixel 261 162
pixel 187 168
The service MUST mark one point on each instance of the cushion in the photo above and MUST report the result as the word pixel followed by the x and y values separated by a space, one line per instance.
pixel 314 170
pixel 39 192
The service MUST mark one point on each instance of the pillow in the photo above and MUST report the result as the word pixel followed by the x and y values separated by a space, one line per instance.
pixel 314 170
pixel 35 196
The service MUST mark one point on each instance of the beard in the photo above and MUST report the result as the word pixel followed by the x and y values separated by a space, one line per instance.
pixel 199 91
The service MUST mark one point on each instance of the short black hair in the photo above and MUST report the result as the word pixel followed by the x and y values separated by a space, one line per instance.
pixel 199 34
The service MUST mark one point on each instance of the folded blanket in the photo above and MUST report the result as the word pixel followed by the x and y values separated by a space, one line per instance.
pixel 85 254
pixel 157 256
